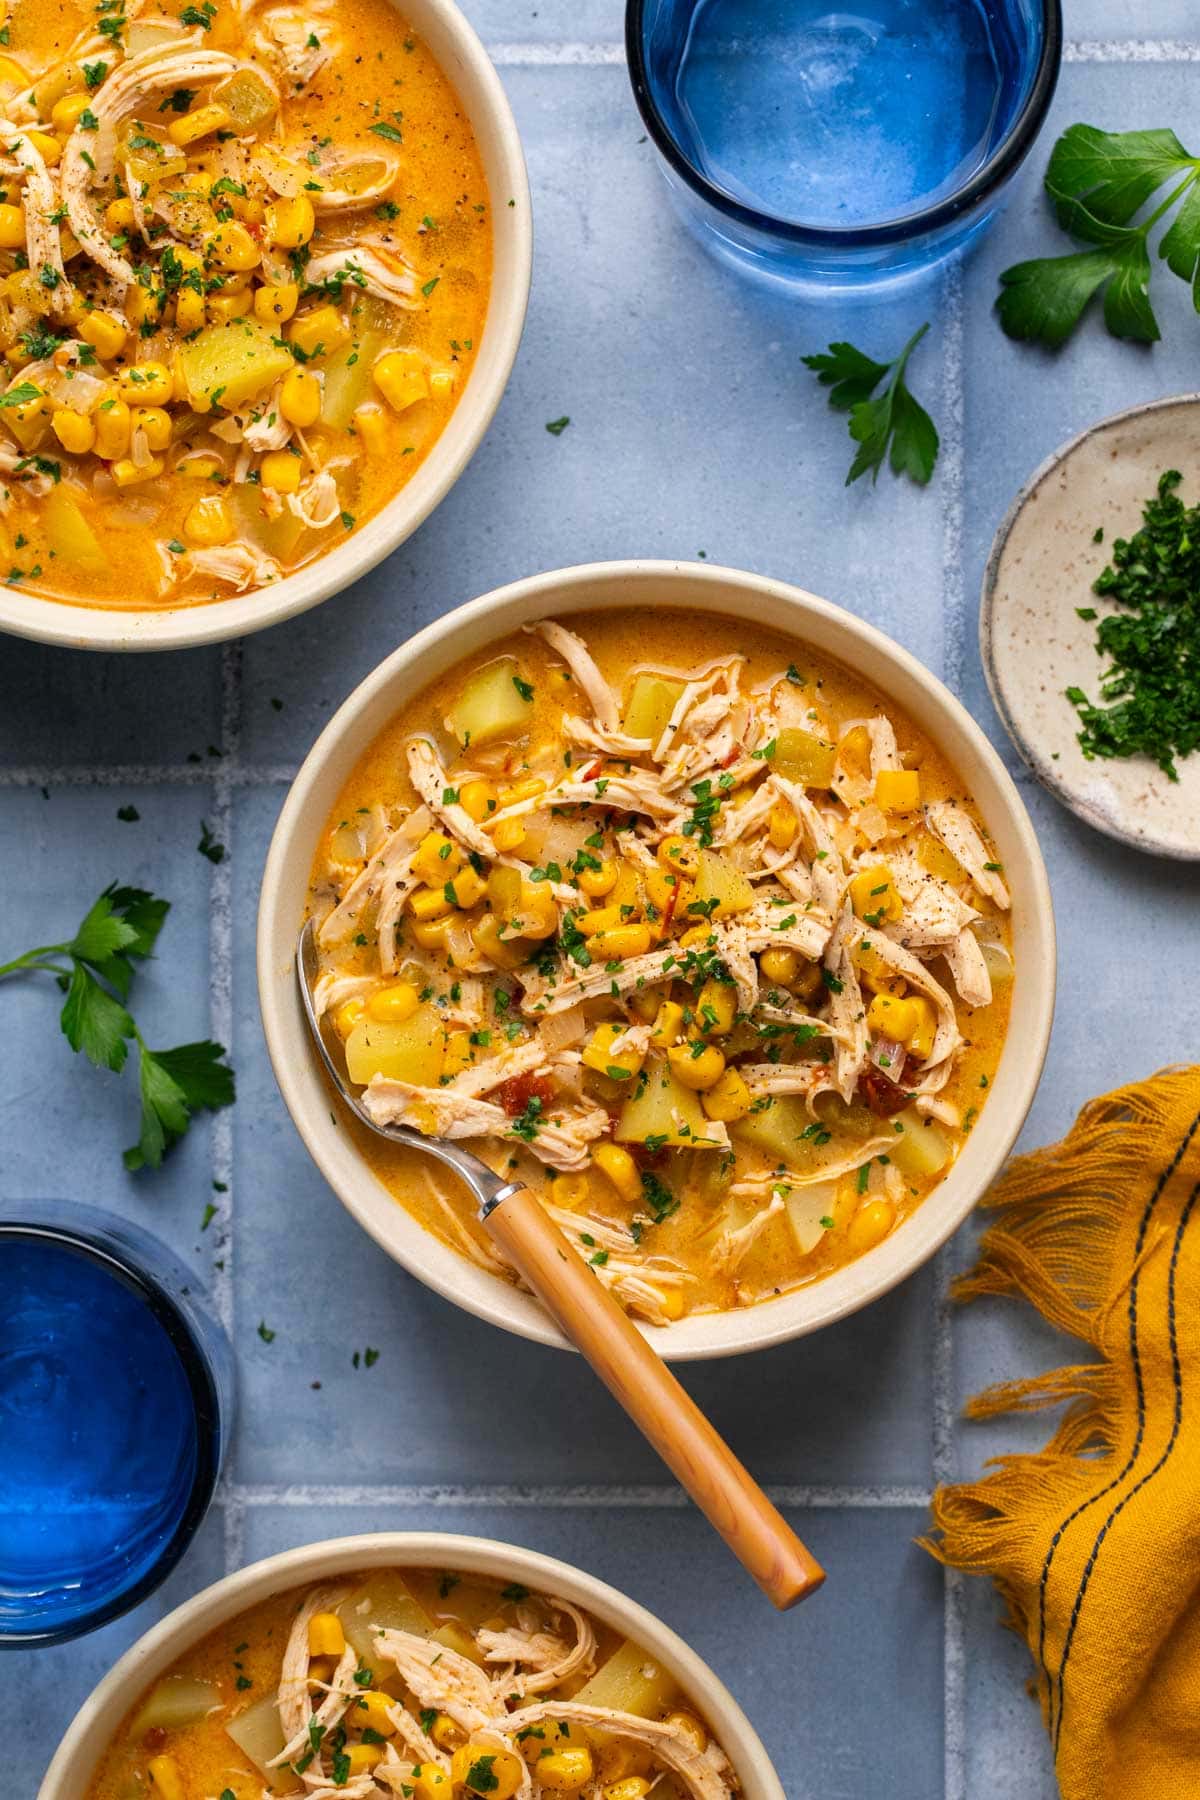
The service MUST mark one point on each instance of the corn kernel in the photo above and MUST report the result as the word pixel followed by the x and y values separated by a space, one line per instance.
pixel 602 918
pixel 165 1777
pixel 430 934
pixel 149 383
pixel 119 215
pixel 155 421
pixel 66 113
pixel 281 470
pixel 697 1066
pixel 429 903
pixel 920 1038
pixel 361 1757
pixel 478 799
pixel 595 883
pixel 716 1008
pixel 891 1018
pixel 537 916
pixel 104 332
pixel 190 310
pixel 321 1671
pixel 248 208
pixel 400 377
pixel 668 1023
pixel 208 522
pixel 437 859
pixel 300 397
pixel 275 302
pixel 127 473
pixel 678 855
pixel 318 331
pixel 74 431
pixel 668 893
pixel 876 974
pixel 564 1770
pixel 621 1170
pixel 12 227
pixel 231 247
pixel 529 789
pixel 727 1099
pixel 601 1056
pixel 370 426
pixel 431 1783
pixel 873 895
pixel 869 1226
pixel 347 1016
pixel 898 790
pixel 441 384
pixel 113 425
pixel 697 937
pixel 201 122
pixel 509 835
pixel 393 1004
pixel 48 148
pixel 571 1191
pixel 371 1711
pixel 143 305
pixel 625 940
pixel 634 1787
pixel 325 1635
pixel 445 1733
pixel 489 940
pixel 222 309
pixel 200 465
pixel 689 1726
pixel 469 889
pixel 290 222
pixel 483 1769
pixel 781 826
pixel 460 1052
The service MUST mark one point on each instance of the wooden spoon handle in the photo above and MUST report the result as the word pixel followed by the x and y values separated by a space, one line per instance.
pixel 692 1449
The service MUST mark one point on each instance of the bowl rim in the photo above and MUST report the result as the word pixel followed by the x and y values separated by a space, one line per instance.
pixel 463 60
pixel 91 1729
pixel 1073 798
pixel 712 588
pixel 983 185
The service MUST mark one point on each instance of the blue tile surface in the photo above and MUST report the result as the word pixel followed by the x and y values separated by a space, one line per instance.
pixel 693 428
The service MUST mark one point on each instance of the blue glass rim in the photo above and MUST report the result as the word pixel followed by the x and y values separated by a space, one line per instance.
pixel 984 184
pixel 206 1405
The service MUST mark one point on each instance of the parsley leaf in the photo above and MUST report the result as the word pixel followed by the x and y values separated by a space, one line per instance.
pixel 95 970
pixel 1099 181
pixel 879 419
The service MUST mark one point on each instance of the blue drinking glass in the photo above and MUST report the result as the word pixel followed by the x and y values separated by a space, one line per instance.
pixel 116 1403
pixel 831 146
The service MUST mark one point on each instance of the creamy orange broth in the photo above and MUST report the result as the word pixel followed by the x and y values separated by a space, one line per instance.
pixel 860 1209
pixel 120 495
pixel 209 1726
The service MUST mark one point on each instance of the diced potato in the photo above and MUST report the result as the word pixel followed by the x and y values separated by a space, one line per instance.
pixel 780 1129
pixel 383 1599
pixel 179 1700
pixel 456 1637
pixel 802 756
pixel 148 34
pixel 491 705
pixel 247 99
pixel 280 536
pixel 259 1736
pixel 68 534
pixel 648 709
pixel 413 1050
pixel 631 1681
pixel 226 365
pixel 920 1149
pixel 933 855
pixel 807 1208
pixel 720 879
pixel 662 1108
pixel 348 378
pixel 999 963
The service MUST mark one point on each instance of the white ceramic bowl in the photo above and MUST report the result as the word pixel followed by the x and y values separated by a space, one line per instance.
pixel 92 1728
pixel 465 62
pixel 696 589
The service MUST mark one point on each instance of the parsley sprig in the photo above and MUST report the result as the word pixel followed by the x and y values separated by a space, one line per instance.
pixel 95 971
pixel 888 419
pixel 1099 182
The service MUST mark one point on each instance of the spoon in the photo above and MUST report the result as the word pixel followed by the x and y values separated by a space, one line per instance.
pixel 726 1493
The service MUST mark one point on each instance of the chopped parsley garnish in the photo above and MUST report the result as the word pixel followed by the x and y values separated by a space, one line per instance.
pixel 658 1196
pixel 556 427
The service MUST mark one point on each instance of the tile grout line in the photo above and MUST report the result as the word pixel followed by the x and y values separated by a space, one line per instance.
pixel 953 1620
pixel 221 1014
pixel 241 1497
pixel 202 773
pixel 572 54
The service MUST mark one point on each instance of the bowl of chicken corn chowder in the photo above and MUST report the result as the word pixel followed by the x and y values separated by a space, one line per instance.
pixel 263 272
pixel 411 1664
pixel 732 939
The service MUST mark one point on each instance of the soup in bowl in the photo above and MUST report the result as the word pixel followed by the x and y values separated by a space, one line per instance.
pixel 252 276
pixel 416 1665
pixel 722 954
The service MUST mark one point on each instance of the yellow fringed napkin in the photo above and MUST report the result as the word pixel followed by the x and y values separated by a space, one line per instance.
pixel 1094 1543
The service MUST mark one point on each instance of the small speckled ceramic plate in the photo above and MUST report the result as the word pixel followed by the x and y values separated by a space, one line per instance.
pixel 1034 645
